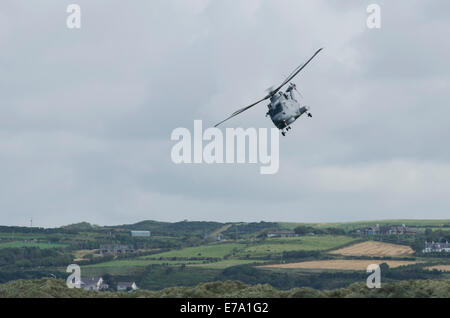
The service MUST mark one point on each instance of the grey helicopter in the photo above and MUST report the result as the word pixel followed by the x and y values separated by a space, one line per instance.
pixel 284 108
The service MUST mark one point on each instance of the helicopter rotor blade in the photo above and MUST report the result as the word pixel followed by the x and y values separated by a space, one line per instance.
pixel 243 110
pixel 295 72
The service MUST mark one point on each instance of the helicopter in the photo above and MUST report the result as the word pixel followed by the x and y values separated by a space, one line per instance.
pixel 284 108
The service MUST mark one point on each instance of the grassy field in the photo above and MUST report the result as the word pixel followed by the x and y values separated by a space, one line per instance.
pixel 225 264
pixel 355 225
pixel 377 249
pixel 21 236
pixel 158 278
pixel 210 251
pixel 139 263
pixel 339 264
pixel 305 243
pixel 112 270
pixel 29 244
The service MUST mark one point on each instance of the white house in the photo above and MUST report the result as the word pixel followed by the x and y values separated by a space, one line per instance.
pixel 93 283
pixel 126 286
pixel 436 247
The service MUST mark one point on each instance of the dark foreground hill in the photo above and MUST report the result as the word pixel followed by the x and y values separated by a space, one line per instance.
pixel 53 288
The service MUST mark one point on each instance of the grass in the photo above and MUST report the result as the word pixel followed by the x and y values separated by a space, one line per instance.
pixel 53 288
pixel 348 226
pixel 30 244
pixel 269 246
pixel 305 243
pixel 112 270
pixel 225 264
pixel 139 263
pixel 353 265
pixel 127 267
pixel 21 236
pixel 207 251
pixel 159 278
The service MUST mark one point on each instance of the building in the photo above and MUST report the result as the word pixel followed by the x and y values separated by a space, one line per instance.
pixel 126 286
pixel 140 233
pixel 386 230
pixel 436 247
pixel 281 234
pixel 115 249
pixel 93 283
pixel 215 237
pixel 402 230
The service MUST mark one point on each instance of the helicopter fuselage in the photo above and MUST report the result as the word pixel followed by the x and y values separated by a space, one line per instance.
pixel 284 109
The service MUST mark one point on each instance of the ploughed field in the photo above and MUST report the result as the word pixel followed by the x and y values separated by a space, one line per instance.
pixel 442 268
pixel 375 249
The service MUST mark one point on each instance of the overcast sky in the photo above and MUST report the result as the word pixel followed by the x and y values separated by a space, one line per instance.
pixel 86 115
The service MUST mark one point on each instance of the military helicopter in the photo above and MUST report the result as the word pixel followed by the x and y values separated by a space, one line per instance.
pixel 284 108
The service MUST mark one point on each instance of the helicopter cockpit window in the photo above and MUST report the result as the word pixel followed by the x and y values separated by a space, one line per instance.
pixel 278 108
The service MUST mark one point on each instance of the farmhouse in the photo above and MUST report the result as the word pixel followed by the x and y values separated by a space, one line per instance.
pixel 402 230
pixel 281 234
pixel 115 249
pixel 436 247
pixel 93 283
pixel 126 286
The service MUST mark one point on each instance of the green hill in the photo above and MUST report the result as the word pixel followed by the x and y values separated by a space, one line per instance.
pixel 52 288
pixel 177 228
pixel 82 226
pixel 348 226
